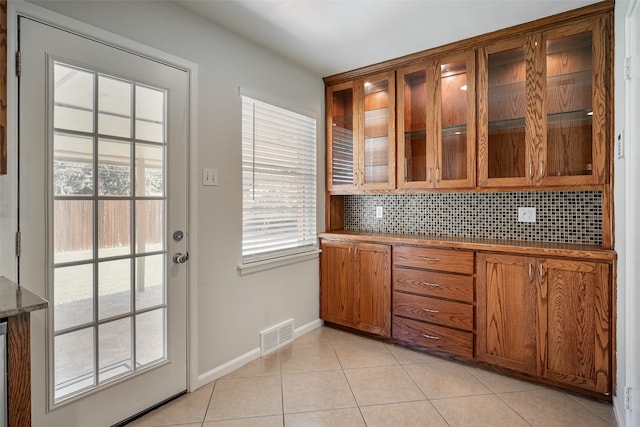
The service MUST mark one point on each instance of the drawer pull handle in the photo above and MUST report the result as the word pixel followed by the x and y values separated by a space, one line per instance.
pixel 431 337
pixel 428 310
pixel 426 258
pixel 433 285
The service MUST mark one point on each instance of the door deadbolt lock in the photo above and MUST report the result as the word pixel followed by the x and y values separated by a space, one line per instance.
pixel 178 235
pixel 180 258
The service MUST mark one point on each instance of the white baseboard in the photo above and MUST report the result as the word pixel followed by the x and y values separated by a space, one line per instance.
pixel 304 329
pixel 250 356
pixel 226 368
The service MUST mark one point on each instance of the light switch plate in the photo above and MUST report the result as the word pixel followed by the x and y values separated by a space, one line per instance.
pixel 526 214
pixel 210 177
pixel 379 213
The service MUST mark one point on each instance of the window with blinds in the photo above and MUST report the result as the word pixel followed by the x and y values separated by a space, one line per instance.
pixel 278 182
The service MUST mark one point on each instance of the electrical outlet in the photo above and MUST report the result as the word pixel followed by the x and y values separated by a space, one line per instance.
pixel 379 213
pixel 210 177
pixel 526 214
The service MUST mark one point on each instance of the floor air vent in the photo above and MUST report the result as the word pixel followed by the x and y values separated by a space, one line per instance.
pixel 276 336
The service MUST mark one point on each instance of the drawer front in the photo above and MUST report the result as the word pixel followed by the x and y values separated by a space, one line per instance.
pixel 429 283
pixel 447 313
pixel 434 259
pixel 433 337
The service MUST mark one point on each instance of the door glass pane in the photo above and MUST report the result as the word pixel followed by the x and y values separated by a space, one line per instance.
pixel 149 225
pixel 150 337
pixel 73 98
pixel 150 108
pixel 93 247
pixel 114 168
pixel 569 105
pixel 114 343
pixel 506 109
pixel 114 288
pixel 149 281
pixel 376 131
pixel 149 170
pixel 114 228
pixel 73 298
pixel 114 107
pixel 73 362
pixel 342 138
pixel 415 128
pixel 453 148
pixel 72 230
pixel 72 165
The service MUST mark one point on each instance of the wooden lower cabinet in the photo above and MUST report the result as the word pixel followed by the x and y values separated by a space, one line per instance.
pixel 433 298
pixel 355 285
pixel 546 317
pixel 506 312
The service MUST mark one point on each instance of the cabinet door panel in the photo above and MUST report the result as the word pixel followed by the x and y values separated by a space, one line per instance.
pixel 506 312
pixel 455 122
pixel 341 137
pixel 577 317
pixel 373 288
pixel 576 110
pixel 377 143
pixel 503 156
pixel 415 122
pixel 337 290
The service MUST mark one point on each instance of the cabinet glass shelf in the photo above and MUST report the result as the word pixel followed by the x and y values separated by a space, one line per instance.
pixel 552 119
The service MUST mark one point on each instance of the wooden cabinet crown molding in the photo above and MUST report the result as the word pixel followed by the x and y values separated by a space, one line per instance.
pixel 478 41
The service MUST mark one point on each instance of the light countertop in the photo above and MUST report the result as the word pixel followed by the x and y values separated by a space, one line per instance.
pixel 16 299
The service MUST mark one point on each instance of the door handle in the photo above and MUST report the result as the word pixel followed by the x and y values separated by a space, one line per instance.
pixel 180 258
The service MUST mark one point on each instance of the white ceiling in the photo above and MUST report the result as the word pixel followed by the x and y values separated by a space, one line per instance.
pixel 332 36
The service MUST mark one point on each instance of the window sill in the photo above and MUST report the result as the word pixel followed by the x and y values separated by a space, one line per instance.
pixel 267 264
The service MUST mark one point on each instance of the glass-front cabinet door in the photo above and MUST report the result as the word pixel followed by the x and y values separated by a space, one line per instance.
pixel 575 113
pixel 503 156
pixel 415 126
pixel 341 135
pixel 455 122
pixel 436 123
pixel 377 140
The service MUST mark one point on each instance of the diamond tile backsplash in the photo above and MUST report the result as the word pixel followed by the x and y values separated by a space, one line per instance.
pixel 561 216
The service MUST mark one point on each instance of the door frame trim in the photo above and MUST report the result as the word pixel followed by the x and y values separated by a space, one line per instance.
pixel 20 8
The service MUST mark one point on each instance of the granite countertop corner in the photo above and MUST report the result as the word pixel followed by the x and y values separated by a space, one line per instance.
pixel 16 299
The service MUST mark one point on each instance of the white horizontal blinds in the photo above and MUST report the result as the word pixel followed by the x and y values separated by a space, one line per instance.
pixel 278 181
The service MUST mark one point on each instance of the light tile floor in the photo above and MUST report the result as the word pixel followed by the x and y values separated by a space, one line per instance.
pixel 329 377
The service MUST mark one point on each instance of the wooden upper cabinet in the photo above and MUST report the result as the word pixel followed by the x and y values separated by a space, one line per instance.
pixel 455 112
pixel 376 142
pixel 574 150
pixel 341 137
pixel 361 134
pixel 542 108
pixel 503 152
pixel 436 123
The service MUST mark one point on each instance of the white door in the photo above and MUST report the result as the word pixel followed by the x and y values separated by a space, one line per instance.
pixel 103 213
